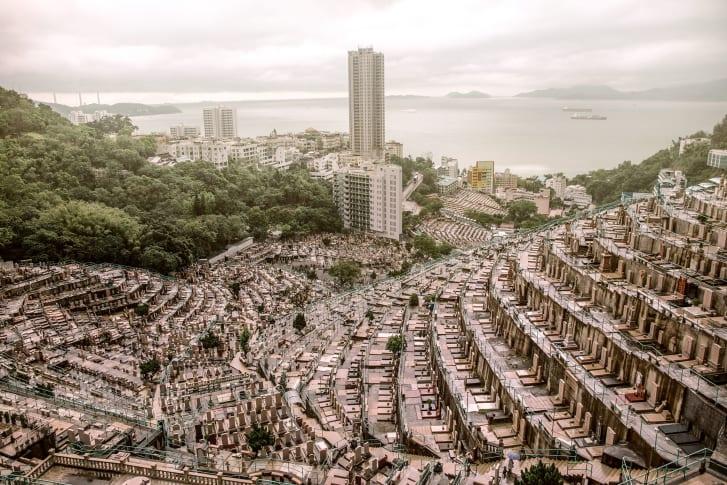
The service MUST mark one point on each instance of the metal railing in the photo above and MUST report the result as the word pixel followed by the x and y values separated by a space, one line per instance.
pixel 678 469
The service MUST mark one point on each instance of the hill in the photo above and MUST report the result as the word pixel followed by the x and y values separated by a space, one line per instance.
pixel 606 185
pixel 71 192
pixel 471 94
pixel 575 92
pixel 125 109
pixel 708 91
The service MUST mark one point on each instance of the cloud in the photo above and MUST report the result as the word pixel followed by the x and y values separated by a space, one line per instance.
pixel 431 47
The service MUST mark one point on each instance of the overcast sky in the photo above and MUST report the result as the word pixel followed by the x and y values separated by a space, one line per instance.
pixel 298 48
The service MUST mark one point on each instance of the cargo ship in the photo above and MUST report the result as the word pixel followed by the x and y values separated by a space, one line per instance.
pixel 586 116
pixel 577 110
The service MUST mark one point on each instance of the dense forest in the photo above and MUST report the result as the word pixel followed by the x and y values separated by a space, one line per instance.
pixel 88 193
pixel 606 185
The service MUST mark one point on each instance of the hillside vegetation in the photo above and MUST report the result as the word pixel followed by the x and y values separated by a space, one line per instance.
pixel 606 185
pixel 72 192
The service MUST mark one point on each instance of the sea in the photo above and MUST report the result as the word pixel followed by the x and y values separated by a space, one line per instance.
pixel 530 136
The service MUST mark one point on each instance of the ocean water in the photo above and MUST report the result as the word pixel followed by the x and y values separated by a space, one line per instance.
pixel 529 136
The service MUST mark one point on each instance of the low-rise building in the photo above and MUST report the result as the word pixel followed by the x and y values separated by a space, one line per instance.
pixel 448 167
pixel 323 167
pixel 78 117
pixel 181 131
pixel 557 184
pixel 717 158
pixel 670 183
pixel 447 185
pixel 394 148
pixel 628 197
pixel 576 195
pixel 541 199
pixel 506 180
pixel 685 142
pixel 221 152
pixel 332 141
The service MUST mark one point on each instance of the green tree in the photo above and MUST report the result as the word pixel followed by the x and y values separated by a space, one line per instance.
pixel 70 192
pixel 209 340
pixel 413 300
pixel 258 437
pixel 395 344
pixel 245 341
pixel 426 246
pixel 345 272
pixel 484 218
pixel 719 134
pixel 531 184
pixel 149 367
pixel 283 382
pixel 540 474
pixel 299 322
pixel 521 210
pixel 142 309
pixel 116 124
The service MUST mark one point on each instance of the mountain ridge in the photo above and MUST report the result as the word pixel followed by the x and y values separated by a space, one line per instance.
pixel 470 94
pixel 707 91
pixel 126 109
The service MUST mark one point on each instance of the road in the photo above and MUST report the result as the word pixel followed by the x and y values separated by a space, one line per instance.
pixel 410 205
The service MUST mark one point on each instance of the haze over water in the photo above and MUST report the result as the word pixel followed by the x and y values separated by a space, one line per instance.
pixel 531 136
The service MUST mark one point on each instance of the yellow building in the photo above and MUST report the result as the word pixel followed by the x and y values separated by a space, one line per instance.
pixel 482 176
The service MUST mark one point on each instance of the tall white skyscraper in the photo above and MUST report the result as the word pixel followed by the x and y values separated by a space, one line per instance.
pixel 366 102
pixel 220 122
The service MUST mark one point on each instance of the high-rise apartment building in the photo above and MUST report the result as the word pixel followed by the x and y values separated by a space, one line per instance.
pixel 366 102
pixel 448 167
pixel 220 122
pixel 369 198
pixel 482 176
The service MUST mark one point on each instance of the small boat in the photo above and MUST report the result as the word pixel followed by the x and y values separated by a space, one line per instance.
pixel 578 110
pixel 586 116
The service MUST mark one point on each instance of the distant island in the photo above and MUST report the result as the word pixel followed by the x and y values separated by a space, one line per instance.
pixel 709 91
pixel 405 96
pixel 126 109
pixel 471 94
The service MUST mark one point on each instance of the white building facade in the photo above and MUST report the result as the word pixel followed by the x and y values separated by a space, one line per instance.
pixel 369 198
pixel 220 122
pixel 79 117
pixel 448 167
pixel 717 158
pixel 558 184
pixel 576 195
pixel 181 131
